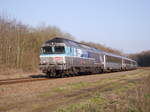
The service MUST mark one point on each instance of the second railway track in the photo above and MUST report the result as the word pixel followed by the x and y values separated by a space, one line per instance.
pixel 20 80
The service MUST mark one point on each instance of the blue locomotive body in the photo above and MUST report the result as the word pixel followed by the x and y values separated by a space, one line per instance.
pixel 62 56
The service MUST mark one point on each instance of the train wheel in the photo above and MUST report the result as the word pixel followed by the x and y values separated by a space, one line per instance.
pixel 63 75
pixel 96 70
pixel 75 72
pixel 51 73
pixel 48 74
pixel 68 73
pixel 100 70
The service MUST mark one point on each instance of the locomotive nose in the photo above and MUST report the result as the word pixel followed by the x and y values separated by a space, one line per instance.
pixel 52 60
pixel 58 60
pixel 46 60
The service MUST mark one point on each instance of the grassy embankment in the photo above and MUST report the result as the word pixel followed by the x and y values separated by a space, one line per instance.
pixel 130 93
pixel 126 93
pixel 114 92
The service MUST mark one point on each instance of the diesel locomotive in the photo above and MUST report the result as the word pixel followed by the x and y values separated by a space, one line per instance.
pixel 61 57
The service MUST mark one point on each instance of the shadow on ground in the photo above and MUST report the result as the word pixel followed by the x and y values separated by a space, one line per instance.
pixel 39 76
pixel 71 75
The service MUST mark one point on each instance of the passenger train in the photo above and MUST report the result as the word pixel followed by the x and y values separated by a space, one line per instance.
pixel 61 57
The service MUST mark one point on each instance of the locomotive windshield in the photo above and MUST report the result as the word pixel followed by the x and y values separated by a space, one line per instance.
pixel 59 49
pixel 47 50
pixel 53 50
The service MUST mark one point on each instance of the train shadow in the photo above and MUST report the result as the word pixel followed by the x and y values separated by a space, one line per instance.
pixel 73 75
pixel 39 76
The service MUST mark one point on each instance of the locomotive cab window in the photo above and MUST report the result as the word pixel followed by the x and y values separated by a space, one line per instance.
pixel 46 50
pixel 59 49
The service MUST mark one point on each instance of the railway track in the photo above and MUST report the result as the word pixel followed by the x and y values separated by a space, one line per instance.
pixel 20 80
pixel 26 79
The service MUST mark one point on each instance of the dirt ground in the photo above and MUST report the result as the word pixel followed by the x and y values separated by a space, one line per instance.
pixel 49 95
pixel 13 73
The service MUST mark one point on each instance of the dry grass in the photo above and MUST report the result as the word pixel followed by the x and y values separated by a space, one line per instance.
pixel 139 98
pixel 9 73
pixel 113 92
pixel 132 97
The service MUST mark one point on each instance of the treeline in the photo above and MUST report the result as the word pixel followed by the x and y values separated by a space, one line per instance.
pixel 102 47
pixel 143 58
pixel 20 44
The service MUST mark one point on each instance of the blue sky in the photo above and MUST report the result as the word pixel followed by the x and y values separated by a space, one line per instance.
pixel 120 24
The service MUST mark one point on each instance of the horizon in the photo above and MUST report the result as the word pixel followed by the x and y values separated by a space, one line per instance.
pixel 122 25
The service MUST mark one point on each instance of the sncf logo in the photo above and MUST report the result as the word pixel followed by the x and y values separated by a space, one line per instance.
pixel 58 58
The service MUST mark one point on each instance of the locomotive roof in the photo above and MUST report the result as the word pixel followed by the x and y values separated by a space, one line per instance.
pixel 72 43
pixel 80 45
